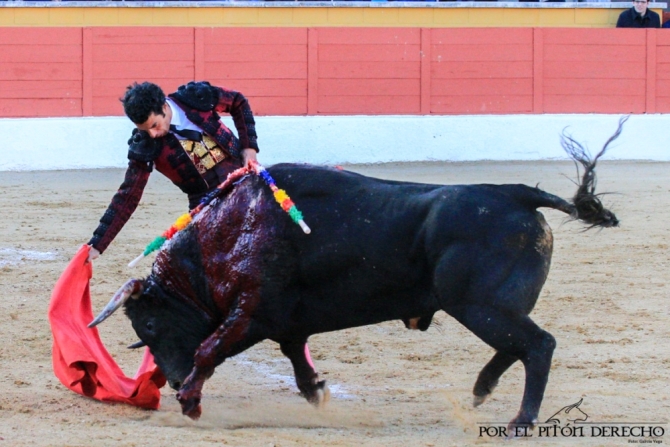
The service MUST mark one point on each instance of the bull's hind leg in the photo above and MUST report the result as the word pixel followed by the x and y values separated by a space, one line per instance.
pixel 489 375
pixel 314 390
pixel 514 336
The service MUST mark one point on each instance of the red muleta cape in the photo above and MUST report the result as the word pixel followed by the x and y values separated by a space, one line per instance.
pixel 80 360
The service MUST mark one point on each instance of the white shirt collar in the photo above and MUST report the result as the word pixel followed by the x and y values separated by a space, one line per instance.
pixel 179 119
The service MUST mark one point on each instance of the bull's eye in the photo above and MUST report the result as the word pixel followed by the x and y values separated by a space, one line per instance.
pixel 150 326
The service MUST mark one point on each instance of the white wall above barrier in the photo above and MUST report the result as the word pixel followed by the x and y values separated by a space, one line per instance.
pixel 86 143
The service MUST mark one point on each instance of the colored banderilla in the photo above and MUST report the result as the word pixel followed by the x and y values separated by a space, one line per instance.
pixel 281 197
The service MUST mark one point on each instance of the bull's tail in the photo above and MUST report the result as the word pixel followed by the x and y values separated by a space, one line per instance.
pixel 585 205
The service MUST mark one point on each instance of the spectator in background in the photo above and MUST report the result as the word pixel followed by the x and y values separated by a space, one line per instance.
pixel 639 16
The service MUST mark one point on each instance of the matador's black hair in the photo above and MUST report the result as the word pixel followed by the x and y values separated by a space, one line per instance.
pixel 141 100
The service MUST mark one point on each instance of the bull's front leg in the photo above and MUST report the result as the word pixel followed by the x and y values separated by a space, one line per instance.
pixel 238 333
pixel 314 390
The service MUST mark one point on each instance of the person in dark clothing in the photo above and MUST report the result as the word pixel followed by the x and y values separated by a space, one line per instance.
pixel 639 16
pixel 183 137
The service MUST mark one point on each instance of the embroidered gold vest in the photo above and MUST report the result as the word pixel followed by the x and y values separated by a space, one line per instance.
pixel 204 154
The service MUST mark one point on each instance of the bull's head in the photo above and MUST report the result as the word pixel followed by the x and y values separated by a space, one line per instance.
pixel 171 328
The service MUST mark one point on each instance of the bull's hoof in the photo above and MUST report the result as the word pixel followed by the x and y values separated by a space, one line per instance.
pixel 478 400
pixel 323 396
pixel 190 406
pixel 319 395
pixel 482 392
pixel 194 413
pixel 521 427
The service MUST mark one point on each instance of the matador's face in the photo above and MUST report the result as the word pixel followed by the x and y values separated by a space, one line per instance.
pixel 157 125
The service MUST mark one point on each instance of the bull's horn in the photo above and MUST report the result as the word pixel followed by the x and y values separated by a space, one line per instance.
pixel 133 287
pixel 137 344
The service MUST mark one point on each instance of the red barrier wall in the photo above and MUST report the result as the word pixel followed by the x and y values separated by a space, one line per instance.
pixel 41 72
pixel 331 71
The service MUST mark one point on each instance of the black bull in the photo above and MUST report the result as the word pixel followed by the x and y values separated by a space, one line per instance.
pixel 379 250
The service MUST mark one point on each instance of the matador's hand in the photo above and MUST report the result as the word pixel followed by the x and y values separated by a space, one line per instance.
pixel 248 155
pixel 92 255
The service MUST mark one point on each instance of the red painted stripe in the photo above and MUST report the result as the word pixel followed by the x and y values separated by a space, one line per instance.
pixel 370 70
pixel 87 72
pixel 40 71
pixel 263 87
pixel 280 105
pixel 594 70
pixel 369 52
pixel 479 87
pixel 40 36
pixel 662 70
pixel 256 70
pixel 41 53
pixel 43 107
pixel 594 103
pixel 198 54
pixel 538 70
pixel 256 36
pixel 348 105
pixel 593 36
pixel 486 104
pixel 40 89
pixel 131 53
pixel 426 78
pixel 369 36
pixel 663 104
pixel 592 86
pixel 313 72
pixel 369 87
pixel 482 70
pixel 107 105
pixel 651 72
pixel 140 34
pixel 595 53
pixel 114 88
pixel 251 53
pixel 662 53
pixel 143 70
pixel 483 53
pixel 482 36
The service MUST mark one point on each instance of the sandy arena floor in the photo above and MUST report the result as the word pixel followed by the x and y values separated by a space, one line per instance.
pixel 606 302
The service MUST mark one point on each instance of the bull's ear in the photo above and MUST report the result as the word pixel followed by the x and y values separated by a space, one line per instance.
pixel 133 287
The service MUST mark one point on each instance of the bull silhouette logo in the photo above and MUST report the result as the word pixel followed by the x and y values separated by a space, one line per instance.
pixel 569 414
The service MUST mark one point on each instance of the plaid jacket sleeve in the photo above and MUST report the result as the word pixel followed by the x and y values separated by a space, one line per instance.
pixel 123 204
pixel 237 106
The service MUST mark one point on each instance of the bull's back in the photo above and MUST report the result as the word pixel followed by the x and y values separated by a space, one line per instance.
pixel 357 213
pixel 375 244
pixel 356 221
